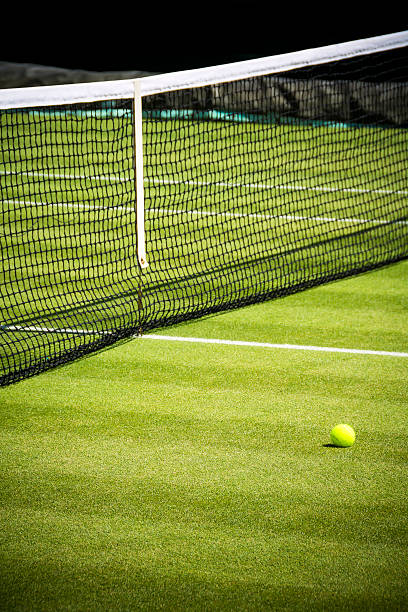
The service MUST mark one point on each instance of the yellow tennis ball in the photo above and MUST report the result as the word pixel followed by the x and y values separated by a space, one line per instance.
pixel 342 435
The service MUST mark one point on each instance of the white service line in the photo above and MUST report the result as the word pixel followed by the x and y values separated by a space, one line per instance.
pixel 279 187
pixel 269 345
pixel 75 331
pixel 211 213
pixel 201 183
pixel 73 205
pixel 222 214
pixel 296 347
pixel 68 177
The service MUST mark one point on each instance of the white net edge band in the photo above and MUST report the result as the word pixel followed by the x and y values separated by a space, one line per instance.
pixel 53 95
pixel 271 65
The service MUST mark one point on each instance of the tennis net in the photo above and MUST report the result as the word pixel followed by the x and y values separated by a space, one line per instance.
pixel 135 204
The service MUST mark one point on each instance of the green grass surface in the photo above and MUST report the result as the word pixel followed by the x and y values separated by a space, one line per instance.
pixel 171 476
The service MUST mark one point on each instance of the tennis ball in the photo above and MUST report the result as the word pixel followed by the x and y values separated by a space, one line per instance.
pixel 342 435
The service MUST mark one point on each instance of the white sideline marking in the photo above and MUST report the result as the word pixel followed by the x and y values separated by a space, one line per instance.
pixel 73 205
pixel 265 216
pixel 60 330
pixel 198 183
pixel 297 347
pixel 289 187
pixel 70 177
pixel 210 213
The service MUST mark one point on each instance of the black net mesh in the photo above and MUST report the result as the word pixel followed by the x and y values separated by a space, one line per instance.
pixel 254 189
pixel 68 246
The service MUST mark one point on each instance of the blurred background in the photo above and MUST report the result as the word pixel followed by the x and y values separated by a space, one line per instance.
pixel 151 37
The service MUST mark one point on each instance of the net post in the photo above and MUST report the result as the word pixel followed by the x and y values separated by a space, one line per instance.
pixel 138 153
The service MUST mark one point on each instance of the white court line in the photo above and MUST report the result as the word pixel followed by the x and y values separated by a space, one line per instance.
pixel 70 177
pixel 265 216
pixel 269 345
pixel 72 205
pixel 268 186
pixel 211 213
pixel 296 347
pixel 198 183
pixel 54 330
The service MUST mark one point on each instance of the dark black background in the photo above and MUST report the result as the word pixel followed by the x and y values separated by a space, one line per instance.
pixel 157 37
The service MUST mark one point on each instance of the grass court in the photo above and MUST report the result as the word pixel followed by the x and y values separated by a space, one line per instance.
pixel 172 475
pixel 165 475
